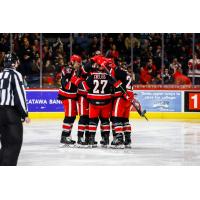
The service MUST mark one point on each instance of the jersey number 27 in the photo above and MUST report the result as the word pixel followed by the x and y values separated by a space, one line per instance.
pixel 99 86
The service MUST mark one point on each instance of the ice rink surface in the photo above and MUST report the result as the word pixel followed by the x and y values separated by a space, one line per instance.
pixel 157 142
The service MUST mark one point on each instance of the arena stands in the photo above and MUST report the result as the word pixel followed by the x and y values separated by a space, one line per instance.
pixel 145 61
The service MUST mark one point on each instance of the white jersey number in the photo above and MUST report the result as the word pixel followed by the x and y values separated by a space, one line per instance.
pixel 128 85
pixel 97 83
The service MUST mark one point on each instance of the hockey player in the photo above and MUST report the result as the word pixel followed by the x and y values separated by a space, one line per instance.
pixel 121 109
pixel 83 104
pixel 68 95
pixel 99 87
pixel 83 111
pixel 121 104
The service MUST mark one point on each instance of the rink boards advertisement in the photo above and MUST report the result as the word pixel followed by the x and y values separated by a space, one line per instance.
pixel 192 101
pixel 160 101
pixel 152 101
pixel 43 101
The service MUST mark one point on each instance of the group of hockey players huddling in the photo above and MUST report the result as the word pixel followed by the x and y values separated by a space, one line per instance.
pixel 98 91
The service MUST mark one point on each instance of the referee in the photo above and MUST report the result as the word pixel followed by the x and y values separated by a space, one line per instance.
pixel 13 111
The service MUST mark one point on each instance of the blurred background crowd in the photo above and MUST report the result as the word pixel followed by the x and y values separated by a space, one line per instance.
pixel 152 57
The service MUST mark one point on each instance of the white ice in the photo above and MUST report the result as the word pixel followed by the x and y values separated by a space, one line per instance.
pixel 160 142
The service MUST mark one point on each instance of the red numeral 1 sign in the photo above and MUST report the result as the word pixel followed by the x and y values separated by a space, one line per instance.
pixel 194 101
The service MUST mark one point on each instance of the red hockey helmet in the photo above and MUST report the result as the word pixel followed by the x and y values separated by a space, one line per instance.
pixel 95 58
pixel 110 62
pixel 76 58
pixel 99 59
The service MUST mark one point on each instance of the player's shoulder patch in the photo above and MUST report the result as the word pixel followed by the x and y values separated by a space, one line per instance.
pixel 69 70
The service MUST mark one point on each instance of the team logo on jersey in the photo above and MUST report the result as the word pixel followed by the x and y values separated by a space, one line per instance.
pixel 68 70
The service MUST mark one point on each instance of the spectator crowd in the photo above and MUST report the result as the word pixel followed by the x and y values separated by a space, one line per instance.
pixel 178 68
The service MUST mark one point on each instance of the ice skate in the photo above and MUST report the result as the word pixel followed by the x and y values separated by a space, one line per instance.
pixel 92 143
pixel 81 143
pixel 67 142
pixel 127 142
pixel 105 141
pixel 118 142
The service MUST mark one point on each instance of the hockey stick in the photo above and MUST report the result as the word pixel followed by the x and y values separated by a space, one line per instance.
pixel 140 112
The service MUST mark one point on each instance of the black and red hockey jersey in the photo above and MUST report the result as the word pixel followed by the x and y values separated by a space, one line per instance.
pixel 81 87
pixel 68 89
pixel 99 87
pixel 84 72
pixel 124 79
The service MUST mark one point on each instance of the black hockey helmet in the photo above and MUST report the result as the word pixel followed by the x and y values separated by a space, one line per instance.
pixel 10 60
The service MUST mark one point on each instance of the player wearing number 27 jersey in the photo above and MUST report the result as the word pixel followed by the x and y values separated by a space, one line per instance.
pixel 99 86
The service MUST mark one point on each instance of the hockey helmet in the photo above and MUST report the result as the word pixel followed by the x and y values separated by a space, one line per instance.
pixel 10 60
pixel 99 59
pixel 76 58
pixel 110 62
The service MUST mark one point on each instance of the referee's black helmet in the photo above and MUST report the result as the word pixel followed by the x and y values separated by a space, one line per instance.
pixel 10 60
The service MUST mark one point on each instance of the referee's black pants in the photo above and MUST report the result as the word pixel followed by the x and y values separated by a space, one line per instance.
pixel 11 135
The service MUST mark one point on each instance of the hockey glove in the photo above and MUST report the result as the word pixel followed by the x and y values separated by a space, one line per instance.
pixel 75 80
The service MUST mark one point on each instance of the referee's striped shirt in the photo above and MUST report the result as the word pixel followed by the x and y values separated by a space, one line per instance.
pixel 12 92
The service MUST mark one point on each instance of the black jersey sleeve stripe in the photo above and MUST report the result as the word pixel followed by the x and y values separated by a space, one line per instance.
pixel 3 90
pixel 21 84
pixel 8 91
pixel 22 88
pixel 19 94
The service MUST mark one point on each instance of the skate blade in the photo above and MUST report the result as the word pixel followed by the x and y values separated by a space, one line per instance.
pixel 82 146
pixel 66 145
pixel 117 147
pixel 128 147
pixel 92 146
pixel 104 146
